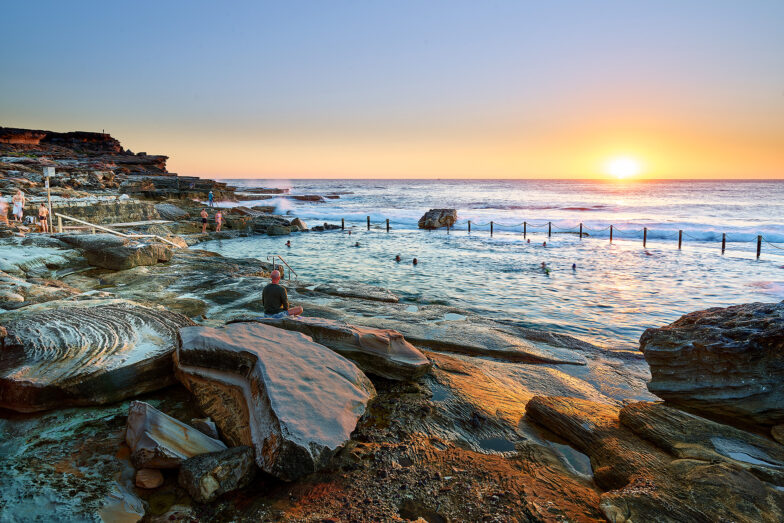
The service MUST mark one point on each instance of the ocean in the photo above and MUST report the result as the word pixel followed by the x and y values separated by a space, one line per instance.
pixel 615 290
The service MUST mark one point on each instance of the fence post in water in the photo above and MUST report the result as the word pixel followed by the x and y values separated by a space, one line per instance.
pixel 549 229
pixel 387 224
pixel 611 228
pixel 342 224
pixel 368 220
pixel 491 228
pixel 525 226
pixel 723 241
pixel 581 230
pixel 644 236
pixel 680 238
pixel 469 226
pixel 759 245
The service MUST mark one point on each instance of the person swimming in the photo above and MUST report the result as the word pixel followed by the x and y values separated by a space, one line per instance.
pixel 544 244
pixel 529 240
pixel 545 268
pixel 356 244
pixel 415 261
pixel 288 243
pixel 574 266
pixel 397 258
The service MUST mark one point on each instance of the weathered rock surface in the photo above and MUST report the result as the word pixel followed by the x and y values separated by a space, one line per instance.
pixel 85 353
pixel 383 352
pixel 436 218
pixel 298 224
pixel 294 401
pixel 207 476
pixel 148 478
pixel 726 362
pixel 777 432
pixel 162 442
pixel 169 211
pixel 117 253
pixel 358 290
pixel 206 426
pixel 684 480
pixel 278 230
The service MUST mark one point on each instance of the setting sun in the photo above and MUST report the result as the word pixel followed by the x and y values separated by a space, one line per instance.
pixel 622 167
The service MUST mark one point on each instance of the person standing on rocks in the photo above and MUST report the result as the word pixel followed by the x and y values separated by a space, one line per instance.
pixel 275 299
pixel 211 199
pixel 204 217
pixel 43 218
pixel 218 221
pixel 19 203
pixel 3 211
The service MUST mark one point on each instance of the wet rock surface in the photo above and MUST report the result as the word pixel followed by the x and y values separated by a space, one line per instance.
pixel 85 353
pixel 210 475
pixel 681 480
pixel 296 407
pixel 382 352
pixel 358 290
pixel 725 362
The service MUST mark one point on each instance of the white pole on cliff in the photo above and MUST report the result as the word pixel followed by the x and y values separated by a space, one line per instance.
pixel 48 173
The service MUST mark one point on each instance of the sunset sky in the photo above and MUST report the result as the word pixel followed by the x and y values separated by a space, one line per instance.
pixel 409 89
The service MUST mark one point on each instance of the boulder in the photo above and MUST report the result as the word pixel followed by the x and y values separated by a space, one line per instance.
pixel 436 218
pixel 294 401
pixel 298 224
pixel 723 362
pixel 148 478
pixel 161 442
pixel 265 221
pixel 660 464
pixel 383 352
pixel 207 476
pixel 117 253
pixel 85 353
pixel 169 211
pixel 278 230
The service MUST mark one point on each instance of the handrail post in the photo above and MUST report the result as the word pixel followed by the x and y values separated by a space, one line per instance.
pixel 644 236
pixel 549 229
pixel 469 226
pixel 387 224
pixel 525 227
pixel 491 227
pixel 723 241
pixel 611 231
pixel 368 222
pixel 759 245
pixel 60 224
pixel 581 230
pixel 680 238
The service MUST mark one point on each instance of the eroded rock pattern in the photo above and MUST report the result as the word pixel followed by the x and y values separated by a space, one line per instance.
pixel 85 353
pixel 383 352
pixel 207 476
pixel 436 218
pixel 726 362
pixel 294 401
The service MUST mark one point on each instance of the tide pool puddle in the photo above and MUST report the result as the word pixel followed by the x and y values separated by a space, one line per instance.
pixel 451 316
pixel 574 459
pixel 412 308
pixel 496 444
pixel 743 452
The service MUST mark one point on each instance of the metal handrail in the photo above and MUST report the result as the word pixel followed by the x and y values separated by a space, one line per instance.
pixel 111 231
pixel 288 272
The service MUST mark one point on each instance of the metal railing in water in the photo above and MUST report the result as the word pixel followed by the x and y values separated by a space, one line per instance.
pixel 289 270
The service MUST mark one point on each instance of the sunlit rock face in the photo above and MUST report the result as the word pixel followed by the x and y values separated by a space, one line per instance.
pixel 382 352
pixel 294 401
pixel 657 463
pixel 726 362
pixel 436 218
pixel 160 441
pixel 85 353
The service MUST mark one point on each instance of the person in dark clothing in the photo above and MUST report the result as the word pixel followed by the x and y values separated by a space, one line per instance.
pixel 275 299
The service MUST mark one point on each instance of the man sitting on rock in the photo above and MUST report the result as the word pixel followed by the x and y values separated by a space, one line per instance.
pixel 275 299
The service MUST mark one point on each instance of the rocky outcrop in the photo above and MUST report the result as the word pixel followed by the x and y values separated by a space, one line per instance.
pixel 437 218
pixel 727 363
pixel 659 464
pixel 169 211
pixel 294 401
pixel 117 253
pixel 298 225
pixel 208 476
pixel 168 185
pixel 159 441
pixel 263 223
pixel 363 291
pixel 383 352
pixel 85 353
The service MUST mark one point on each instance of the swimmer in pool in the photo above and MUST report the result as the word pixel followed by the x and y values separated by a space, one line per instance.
pixel 574 266
pixel 415 261
pixel 545 268
pixel 544 244
pixel 288 243
pixel 397 258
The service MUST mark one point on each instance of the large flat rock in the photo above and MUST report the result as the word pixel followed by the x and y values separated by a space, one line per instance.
pixel 294 401
pixel 724 362
pixel 358 290
pixel 383 352
pixel 85 353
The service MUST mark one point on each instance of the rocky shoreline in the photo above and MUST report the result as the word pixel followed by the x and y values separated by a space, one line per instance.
pixel 137 383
